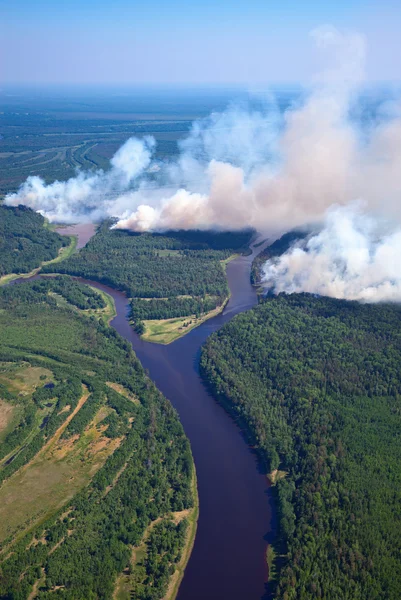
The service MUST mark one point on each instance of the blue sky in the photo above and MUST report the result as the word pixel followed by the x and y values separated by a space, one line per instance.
pixel 126 41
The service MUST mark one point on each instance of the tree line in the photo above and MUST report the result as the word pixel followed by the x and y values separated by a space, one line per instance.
pixel 168 308
pixel 24 241
pixel 316 384
pixel 154 265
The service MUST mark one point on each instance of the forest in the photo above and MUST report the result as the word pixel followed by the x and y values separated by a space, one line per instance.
pixel 91 456
pixel 160 266
pixel 75 294
pixel 24 241
pixel 146 265
pixel 316 385
pixel 156 308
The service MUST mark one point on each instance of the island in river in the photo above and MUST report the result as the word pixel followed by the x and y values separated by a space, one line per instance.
pixel 175 280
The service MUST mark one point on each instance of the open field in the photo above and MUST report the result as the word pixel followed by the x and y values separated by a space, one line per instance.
pixel 52 478
pixel 7 418
pixel 20 379
pixel 120 389
pixel 165 331
pixel 23 379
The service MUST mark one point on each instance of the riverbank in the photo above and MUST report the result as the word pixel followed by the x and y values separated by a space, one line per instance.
pixel 192 518
pixel 63 254
pixel 166 331
pixel 229 552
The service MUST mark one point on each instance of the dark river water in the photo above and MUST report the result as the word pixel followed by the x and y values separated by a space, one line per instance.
pixel 228 561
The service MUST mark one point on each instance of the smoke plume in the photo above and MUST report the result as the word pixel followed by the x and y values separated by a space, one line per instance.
pixel 271 170
pixel 86 197
pixel 354 256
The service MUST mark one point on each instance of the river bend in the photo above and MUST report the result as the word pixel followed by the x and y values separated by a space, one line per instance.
pixel 228 561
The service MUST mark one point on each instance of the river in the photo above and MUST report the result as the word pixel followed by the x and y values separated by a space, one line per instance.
pixel 228 561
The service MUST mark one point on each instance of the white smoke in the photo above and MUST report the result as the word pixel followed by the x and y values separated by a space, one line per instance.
pixel 355 256
pixel 249 169
pixel 268 170
pixel 265 172
pixel 239 168
pixel 85 198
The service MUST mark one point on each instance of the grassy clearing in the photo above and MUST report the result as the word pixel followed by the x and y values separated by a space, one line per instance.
pixel 101 414
pixel 276 475
pixel 165 331
pixel 36 492
pixel 123 391
pixel 24 380
pixel 109 311
pixel 57 472
pixel 63 254
pixel 7 418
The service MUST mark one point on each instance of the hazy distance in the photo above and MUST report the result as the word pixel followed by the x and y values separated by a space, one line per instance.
pixel 230 41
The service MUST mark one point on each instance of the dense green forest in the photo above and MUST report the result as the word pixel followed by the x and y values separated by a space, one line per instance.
pixel 160 266
pixel 150 265
pixel 91 455
pixel 80 296
pixel 273 250
pixel 24 241
pixel 316 383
